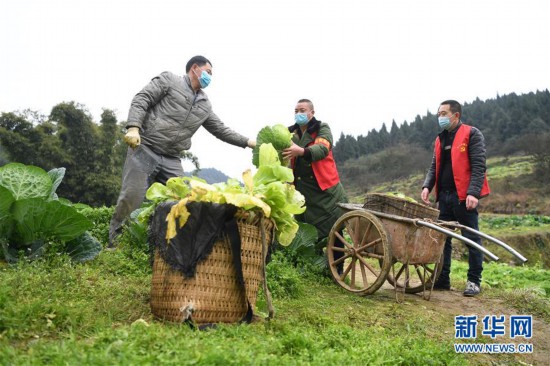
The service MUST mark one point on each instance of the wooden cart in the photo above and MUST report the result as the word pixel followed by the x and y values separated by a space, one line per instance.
pixel 393 239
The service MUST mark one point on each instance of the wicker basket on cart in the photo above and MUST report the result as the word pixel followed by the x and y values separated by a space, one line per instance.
pixel 399 206
pixel 411 244
pixel 213 295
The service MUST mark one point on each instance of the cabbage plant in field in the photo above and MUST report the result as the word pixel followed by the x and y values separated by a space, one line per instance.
pixel 32 216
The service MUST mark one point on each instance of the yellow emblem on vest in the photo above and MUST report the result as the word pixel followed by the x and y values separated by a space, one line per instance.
pixel 320 140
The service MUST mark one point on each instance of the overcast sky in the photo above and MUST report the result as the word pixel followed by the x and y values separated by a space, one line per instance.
pixel 362 63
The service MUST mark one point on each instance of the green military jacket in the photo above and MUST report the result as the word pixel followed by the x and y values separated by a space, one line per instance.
pixel 322 210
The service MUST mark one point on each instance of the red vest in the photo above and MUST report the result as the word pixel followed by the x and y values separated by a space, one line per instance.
pixel 460 159
pixel 325 169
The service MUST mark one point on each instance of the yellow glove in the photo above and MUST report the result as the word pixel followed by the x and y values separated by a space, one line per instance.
pixel 251 143
pixel 132 137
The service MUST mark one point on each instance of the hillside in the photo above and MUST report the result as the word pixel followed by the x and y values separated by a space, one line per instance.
pixel 211 175
pixel 515 187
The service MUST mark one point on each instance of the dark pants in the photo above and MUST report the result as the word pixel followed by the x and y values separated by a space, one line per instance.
pixel 450 209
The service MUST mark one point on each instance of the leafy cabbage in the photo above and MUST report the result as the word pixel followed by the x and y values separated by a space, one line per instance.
pixel 31 214
pixel 267 191
pixel 277 135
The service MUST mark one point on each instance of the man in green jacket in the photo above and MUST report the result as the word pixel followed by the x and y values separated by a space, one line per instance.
pixel 315 173
pixel 163 117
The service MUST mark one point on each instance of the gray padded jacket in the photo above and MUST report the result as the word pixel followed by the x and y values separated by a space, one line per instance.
pixel 168 113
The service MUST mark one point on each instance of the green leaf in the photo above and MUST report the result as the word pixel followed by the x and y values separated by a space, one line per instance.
pixel 295 201
pixel 137 227
pixel 36 219
pixel 25 181
pixel 304 242
pixel 178 186
pixel 83 248
pixel 6 218
pixel 158 192
pixel 268 155
pixel 286 229
pixel 56 176
pixel 273 173
pixel 306 235
pixel 278 136
pixel 32 251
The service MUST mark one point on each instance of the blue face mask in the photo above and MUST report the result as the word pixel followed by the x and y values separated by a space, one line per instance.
pixel 444 122
pixel 204 79
pixel 301 119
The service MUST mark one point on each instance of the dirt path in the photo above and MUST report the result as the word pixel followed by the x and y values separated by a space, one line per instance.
pixel 452 303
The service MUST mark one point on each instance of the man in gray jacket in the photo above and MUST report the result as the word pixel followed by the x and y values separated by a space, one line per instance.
pixel 163 117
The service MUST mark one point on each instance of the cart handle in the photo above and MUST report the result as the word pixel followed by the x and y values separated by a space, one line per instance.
pixel 488 237
pixel 459 237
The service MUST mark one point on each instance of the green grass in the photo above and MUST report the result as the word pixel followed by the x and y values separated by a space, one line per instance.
pixel 53 312
pixel 532 282
pixel 513 224
pixel 508 167
pixel 57 313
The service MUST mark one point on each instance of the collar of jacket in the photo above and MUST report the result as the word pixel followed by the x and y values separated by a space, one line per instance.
pixel 444 133
pixel 312 126
pixel 200 94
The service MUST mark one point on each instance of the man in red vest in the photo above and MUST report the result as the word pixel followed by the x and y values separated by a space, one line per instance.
pixel 459 175
pixel 315 173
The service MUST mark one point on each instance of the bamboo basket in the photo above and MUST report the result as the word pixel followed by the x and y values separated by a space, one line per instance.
pixel 398 206
pixel 213 295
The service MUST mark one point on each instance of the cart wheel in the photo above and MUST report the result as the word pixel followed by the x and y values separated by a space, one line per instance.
pixel 414 277
pixel 366 255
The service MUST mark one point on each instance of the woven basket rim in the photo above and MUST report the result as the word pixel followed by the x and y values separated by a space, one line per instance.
pixel 388 198
pixel 391 197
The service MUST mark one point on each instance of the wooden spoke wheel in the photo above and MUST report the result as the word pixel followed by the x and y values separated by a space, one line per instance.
pixel 359 255
pixel 414 277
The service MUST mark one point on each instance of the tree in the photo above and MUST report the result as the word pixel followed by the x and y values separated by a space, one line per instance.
pixel 109 136
pixel 188 155
pixel 110 154
pixel 384 137
pixel 338 149
pixel 16 138
pixel 538 145
pixel 394 133
pixel 79 139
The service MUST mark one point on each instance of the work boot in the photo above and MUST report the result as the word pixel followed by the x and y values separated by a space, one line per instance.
pixel 472 289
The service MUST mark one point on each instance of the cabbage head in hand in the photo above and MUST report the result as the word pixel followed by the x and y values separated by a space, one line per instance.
pixel 278 135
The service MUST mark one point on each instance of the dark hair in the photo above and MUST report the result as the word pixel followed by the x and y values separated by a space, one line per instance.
pixel 199 60
pixel 454 106
pixel 307 101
